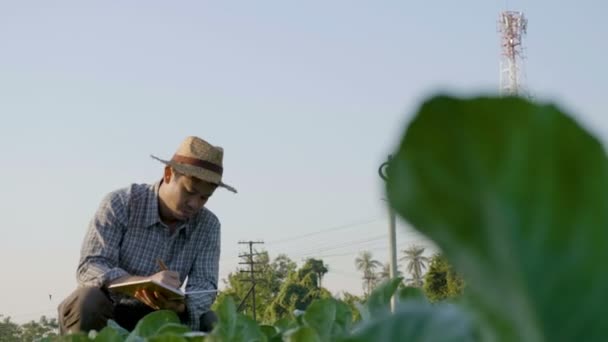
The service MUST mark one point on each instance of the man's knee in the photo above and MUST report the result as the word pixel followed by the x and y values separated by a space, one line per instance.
pixel 208 321
pixel 85 309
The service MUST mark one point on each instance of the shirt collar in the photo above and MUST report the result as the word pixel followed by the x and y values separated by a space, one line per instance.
pixel 153 216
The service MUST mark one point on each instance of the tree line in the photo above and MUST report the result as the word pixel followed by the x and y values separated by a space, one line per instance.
pixel 14 332
pixel 281 287
pixel 439 282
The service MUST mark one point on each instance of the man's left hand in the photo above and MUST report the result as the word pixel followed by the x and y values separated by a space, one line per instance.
pixel 157 301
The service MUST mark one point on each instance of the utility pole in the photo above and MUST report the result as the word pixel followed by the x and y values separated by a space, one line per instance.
pixel 251 271
pixel 392 234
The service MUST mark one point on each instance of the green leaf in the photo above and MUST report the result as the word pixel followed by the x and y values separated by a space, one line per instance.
pixel 320 316
pixel 418 322
pixel 515 194
pixel 269 331
pixel 411 293
pixel 109 334
pixel 247 330
pixel 167 337
pixel 78 337
pixel 115 326
pixel 195 336
pixel 151 324
pixel 344 320
pixel 173 328
pixel 227 317
pixel 363 311
pixel 284 324
pixel 298 316
pixel 302 334
pixel 379 300
pixel 235 327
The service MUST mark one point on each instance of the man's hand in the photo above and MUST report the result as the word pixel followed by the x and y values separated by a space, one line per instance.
pixel 157 301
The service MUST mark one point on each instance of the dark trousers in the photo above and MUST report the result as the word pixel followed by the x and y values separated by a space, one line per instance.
pixel 89 308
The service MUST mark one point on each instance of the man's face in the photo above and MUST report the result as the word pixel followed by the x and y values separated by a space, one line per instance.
pixel 184 196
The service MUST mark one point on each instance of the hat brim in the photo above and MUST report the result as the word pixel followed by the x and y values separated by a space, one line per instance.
pixel 197 172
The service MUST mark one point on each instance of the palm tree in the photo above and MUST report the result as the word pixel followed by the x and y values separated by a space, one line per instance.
pixel 416 263
pixel 385 273
pixel 365 263
pixel 318 267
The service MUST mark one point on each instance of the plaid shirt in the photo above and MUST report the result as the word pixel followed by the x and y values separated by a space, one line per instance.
pixel 126 237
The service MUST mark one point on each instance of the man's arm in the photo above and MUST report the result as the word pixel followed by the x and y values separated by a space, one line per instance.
pixel 204 273
pixel 100 249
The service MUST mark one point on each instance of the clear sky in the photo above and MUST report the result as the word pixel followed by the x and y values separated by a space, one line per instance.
pixel 307 98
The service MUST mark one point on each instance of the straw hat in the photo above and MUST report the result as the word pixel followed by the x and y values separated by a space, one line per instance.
pixel 197 158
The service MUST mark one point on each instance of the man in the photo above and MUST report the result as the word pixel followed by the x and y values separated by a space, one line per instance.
pixel 139 227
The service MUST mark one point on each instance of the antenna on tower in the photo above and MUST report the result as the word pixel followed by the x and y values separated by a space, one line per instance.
pixel 512 26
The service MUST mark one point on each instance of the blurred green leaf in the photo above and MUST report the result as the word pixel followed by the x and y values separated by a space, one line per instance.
pixel 329 318
pixel 302 334
pixel 167 337
pixel 233 326
pixel 320 316
pixel 270 332
pixel 78 337
pixel 173 328
pixel 195 336
pixel 343 322
pixel 247 330
pixel 410 293
pixel 226 325
pixel 115 326
pixel 515 195
pixel 282 324
pixel 418 322
pixel 379 300
pixel 152 323
pixel 109 334
pixel 363 311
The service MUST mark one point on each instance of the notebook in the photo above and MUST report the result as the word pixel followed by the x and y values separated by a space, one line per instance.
pixel 130 287
pixel 171 293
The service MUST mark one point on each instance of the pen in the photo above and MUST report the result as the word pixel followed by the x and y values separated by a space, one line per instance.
pixel 162 265
pixel 187 293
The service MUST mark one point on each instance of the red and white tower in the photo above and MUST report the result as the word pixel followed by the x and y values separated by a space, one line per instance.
pixel 512 27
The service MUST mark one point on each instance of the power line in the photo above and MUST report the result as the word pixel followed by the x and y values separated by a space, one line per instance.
pixel 351 253
pixel 339 245
pixel 331 229
pixel 344 244
pixel 321 251
pixel 344 273
pixel 335 228
pixel 379 244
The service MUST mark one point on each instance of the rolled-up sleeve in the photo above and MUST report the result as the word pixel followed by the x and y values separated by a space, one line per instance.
pixel 100 249
pixel 204 273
